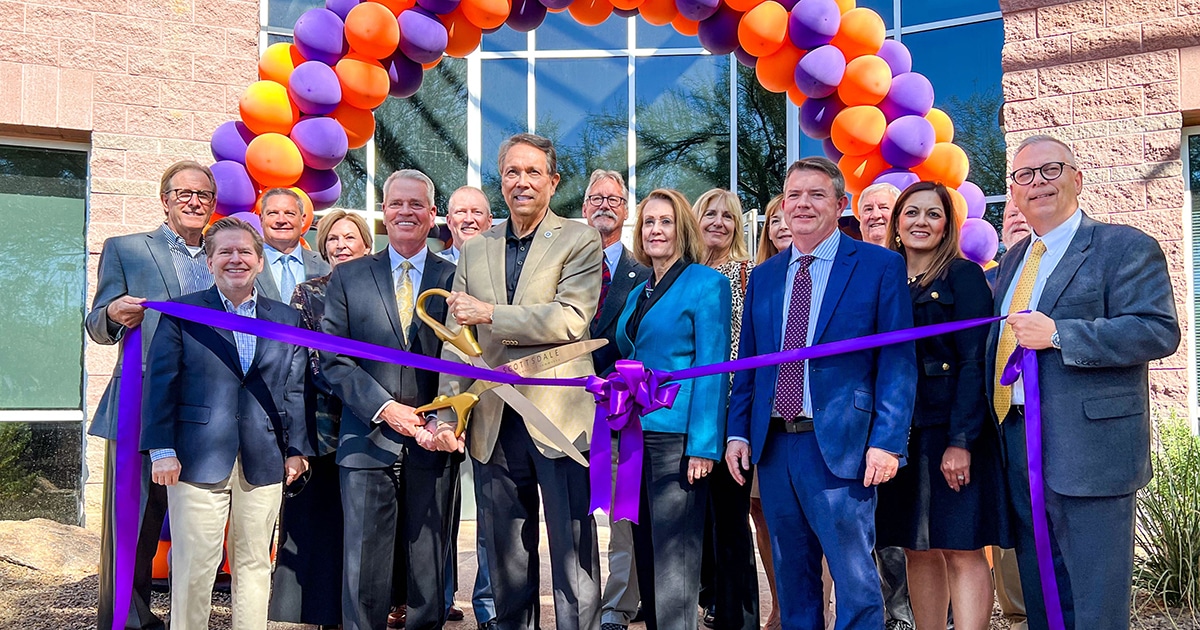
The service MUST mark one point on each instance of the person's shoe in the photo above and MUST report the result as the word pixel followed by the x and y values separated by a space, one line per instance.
pixel 454 613
pixel 397 617
pixel 710 617
pixel 609 625
pixel 490 624
pixel 899 624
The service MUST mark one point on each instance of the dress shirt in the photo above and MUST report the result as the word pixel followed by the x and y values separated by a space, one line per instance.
pixel 612 257
pixel 515 251
pixel 276 260
pixel 450 253
pixel 395 258
pixel 191 264
pixel 1057 241
pixel 819 271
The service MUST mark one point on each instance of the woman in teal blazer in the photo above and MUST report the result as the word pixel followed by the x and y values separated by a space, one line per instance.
pixel 679 318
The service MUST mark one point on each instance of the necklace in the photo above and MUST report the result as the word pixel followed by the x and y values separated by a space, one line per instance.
pixel 912 279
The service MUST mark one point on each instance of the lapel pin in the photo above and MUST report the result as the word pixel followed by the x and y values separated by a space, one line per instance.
pixel 547 234
pixel 632 274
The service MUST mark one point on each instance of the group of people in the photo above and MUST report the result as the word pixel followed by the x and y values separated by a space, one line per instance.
pixel 859 470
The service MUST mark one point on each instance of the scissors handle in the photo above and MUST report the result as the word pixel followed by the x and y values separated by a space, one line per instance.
pixel 464 340
pixel 460 403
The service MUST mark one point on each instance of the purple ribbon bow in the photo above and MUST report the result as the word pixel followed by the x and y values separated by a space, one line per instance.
pixel 622 398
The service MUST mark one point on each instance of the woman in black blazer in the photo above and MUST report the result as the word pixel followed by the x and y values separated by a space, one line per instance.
pixel 948 503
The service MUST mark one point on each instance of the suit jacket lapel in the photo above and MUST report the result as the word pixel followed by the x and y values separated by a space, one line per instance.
pixel 431 278
pixel 543 238
pixel 381 268
pixel 265 283
pixel 160 251
pixel 776 317
pixel 262 345
pixel 839 277
pixel 622 282
pixel 1008 270
pixel 1065 269
pixel 495 248
pixel 313 266
pixel 212 299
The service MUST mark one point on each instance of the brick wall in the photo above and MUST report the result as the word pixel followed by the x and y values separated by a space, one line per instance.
pixel 1105 76
pixel 144 83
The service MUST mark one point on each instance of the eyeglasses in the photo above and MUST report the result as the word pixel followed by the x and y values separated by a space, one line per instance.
pixel 1050 171
pixel 613 201
pixel 183 195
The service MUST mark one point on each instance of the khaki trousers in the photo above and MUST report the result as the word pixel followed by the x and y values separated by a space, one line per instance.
pixel 199 513
pixel 1008 587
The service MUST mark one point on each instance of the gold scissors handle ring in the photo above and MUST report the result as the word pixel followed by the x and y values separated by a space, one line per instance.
pixel 463 340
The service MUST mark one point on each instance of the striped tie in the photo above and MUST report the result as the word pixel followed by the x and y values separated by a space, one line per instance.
pixel 1008 341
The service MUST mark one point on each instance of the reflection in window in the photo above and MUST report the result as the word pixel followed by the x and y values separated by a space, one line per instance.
pixel 284 13
pixel 561 31
pixel 918 11
pixel 505 39
pixel 40 476
pixel 504 109
pixel 686 152
pixel 761 141
pixel 651 36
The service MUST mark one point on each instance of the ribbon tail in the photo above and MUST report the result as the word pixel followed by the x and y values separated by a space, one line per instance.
pixel 600 463
pixel 1037 491
pixel 629 472
pixel 127 477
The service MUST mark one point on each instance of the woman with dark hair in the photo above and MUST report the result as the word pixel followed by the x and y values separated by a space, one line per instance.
pixel 948 503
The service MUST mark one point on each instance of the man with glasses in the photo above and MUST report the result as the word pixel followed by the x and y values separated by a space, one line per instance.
pixel 161 264
pixel 288 263
pixel 1102 308
pixel 606 207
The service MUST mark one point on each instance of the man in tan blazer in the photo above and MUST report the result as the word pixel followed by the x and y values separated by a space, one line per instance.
pixel 526 285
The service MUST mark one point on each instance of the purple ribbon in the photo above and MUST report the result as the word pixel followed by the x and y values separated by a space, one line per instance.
pixel 127 476
pixel 1023 362
pixel 622 398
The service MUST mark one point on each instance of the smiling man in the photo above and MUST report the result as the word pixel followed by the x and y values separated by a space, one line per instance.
pixel 468 214
pixel 282 213
pixel 875 210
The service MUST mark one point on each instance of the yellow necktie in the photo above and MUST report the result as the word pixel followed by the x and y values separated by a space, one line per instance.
pixel 404 297
pixel 1008 341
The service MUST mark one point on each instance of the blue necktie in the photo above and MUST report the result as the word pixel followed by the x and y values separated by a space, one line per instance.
pixel 287 280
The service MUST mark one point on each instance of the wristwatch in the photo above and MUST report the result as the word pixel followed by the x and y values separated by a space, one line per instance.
pixel 1055 342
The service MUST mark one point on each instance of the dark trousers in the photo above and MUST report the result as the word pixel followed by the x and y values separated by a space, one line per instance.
pixel 398 512
pixel 669 534
pixel 508 485
pixel 152 511
pixel 1092 543
pixel 893 578
pixel 729 575
pixel 811 511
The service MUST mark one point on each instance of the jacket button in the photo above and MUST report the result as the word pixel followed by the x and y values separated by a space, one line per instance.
pixel 934 295
pixel 945 366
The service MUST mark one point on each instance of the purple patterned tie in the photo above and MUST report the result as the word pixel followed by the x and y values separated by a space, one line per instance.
pixel 605 282
pixel 789 388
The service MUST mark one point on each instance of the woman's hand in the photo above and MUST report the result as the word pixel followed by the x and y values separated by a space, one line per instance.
pixel 698 468
pixel 956 467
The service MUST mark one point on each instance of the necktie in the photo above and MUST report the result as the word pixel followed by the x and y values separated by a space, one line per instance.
pixel 605 281
pixel 1002 399
pixel 404 297
pixel 789 388
pixel 287 280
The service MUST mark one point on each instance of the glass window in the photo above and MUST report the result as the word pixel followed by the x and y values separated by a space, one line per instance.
pixel 284 13
pixel 43 265
pixel 1191 182
pixel 761 141
pixel 583 107
pixel 353 174
pixel 885 9
pixel 275 38
pixel 504 40
pixel 504 109
pixel 686 152
pixel 560 31
pixel 920 11
pixel 651 36
pixel 40 475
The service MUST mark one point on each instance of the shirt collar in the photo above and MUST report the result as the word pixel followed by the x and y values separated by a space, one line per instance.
pixel 510 236
pixel 612 256
pixel 417 260
pixel 177 240
pixel 1058 238
pixel 826 250
pixel 251 303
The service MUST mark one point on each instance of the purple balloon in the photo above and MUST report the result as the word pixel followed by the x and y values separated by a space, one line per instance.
pixel 526 15
pixel 820 71
pixel 813 23
pixel 229 141
pixel 404 74
pixel 831 151
pixel 319 36
pixel 314 87
pixel 745 58
pixel 323 187
pixel 976 200
pixel 322 141
pixel 907 141
pixel 897 56
pixel 440 7
pixel 788 4
pixel 911 94
pixel 559 4
pixel 625 13
pixel 341 7
pixel 817 114
pixel 249 217
pixel 698 10
pixel 899 178
pixel 422 37
pixel 235 190
pixel 719 33
pixel 978 241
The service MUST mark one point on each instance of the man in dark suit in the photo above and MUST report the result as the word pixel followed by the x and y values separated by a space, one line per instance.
pixel 1103 308
pixel 823 432
pixel 392 489
pixel 606 207
pixel 224 426
pixel 161 264
pixel 288 263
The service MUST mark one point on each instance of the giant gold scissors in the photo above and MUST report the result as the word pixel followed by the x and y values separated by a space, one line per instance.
pixel 464 342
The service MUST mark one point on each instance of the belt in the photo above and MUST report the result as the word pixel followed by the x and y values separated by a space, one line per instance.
pixel 799 425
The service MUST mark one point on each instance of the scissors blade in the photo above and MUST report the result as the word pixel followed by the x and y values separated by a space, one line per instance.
pixel 549 359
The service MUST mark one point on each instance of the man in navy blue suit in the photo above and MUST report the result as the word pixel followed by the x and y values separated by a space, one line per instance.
pixel 823 432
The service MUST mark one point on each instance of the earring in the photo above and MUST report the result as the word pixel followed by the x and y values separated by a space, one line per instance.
pixel 897 239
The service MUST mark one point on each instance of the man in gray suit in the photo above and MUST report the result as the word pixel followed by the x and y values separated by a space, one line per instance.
pixel 606 207
pixel 161 264
pixel 1102 309
pixel 288 263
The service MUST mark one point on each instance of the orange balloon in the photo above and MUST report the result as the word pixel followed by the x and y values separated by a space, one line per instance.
pixel 266 108
pixel 861 170
pixel 627 5
pixel 777 72
pixel 372 30
pixel 858 130
pixel 591 12
pixel 658 12
pixel 845 5
pixel 745 6
pixel 364 81
pixel 160 569
pixel 861 33
pixel 796 96
pixel 486 13
pixel 943 127
pixel 396 6
pixel 947 164
pixel 462 37
pixel 358 123
pixel 432 64
pixel 684 26
pixel 764 28
pixel 960 206
pixel 278 61
pixel 273 160
pixel 867 80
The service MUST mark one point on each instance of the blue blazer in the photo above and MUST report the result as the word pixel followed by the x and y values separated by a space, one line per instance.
pixel 687 327
pixel 861 399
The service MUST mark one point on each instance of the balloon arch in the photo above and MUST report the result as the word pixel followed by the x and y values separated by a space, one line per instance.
pixel 855 89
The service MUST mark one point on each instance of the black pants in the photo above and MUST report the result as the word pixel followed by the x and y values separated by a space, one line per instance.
pixel 152 511
pixel 729 579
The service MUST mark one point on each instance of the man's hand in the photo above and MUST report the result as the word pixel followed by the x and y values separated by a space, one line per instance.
pixel 126 311
pixel 1033 329
pixel 293 467
pixel 165 472
pixel 401 418
pixel 956 467
pixel 881 467
pixel 440 437
pixel 737 459
pixel 468 311
pixel 698 468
